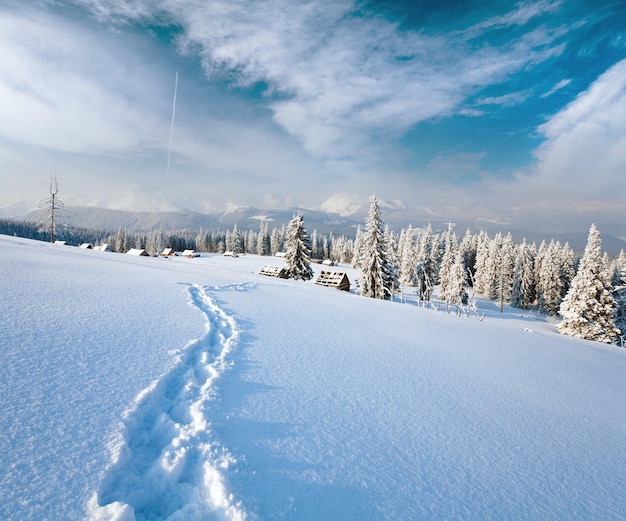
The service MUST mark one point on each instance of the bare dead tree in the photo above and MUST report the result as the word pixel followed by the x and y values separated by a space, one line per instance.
pixel 54 205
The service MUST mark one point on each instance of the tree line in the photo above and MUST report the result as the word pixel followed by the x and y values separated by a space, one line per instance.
pixel 588 293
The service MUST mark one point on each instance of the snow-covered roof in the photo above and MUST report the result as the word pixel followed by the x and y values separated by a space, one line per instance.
pixel 273 271
pixel 138 252
pixel 334 279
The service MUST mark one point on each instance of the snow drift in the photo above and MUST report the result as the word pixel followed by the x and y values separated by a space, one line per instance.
pixel 144 388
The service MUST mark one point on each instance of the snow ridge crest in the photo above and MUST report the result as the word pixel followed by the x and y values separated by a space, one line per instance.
pixel 168 465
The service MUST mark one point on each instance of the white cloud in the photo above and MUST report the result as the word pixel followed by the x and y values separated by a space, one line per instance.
pixel 507 100
pixel 346 81
pixel 588 137
pixel 580 165
pixel 521 15
pixel 49 98
pixel 558 86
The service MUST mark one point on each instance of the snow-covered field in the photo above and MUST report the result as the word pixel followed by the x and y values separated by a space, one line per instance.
pixel 189 389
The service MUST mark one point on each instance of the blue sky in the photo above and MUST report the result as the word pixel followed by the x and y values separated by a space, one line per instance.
pixel 498 111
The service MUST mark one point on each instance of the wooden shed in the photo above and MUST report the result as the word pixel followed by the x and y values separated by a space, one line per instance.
pixel 138 252
pixel 190 254
pixel 334 279
pixel 168 252
pixel 273 271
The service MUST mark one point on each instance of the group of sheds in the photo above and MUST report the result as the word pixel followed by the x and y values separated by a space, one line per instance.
pixel 332 279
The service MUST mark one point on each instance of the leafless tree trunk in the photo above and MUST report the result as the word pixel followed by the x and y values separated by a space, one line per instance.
pixel 53 204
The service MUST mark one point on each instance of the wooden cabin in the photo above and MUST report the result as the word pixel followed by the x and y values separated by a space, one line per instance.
pixel 138 252
pixel 334 279
pixel 190 254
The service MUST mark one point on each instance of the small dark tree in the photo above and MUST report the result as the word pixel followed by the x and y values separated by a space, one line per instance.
pixel 53 205
pixel 297 250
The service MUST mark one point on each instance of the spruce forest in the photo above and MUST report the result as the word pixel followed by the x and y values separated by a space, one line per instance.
pixel 584 295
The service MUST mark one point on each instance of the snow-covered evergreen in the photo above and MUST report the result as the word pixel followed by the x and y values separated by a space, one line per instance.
pixel 523 294
pixel 480 265
pixel 505 268
pixel 550 283
pixel 446 292
pixel 468 248
pixel 619 295
pixel 263 243
pixel 408 259
pixel 588 308
pixel 457 281
pixel 234 242
pixel 276 241
pixel 297 250
pixel 377 277
pixel 357 256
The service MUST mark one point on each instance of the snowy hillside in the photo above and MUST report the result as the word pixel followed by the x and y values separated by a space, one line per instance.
pixel 193 389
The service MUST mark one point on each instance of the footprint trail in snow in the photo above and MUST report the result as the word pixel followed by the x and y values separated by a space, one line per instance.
pixel 168 464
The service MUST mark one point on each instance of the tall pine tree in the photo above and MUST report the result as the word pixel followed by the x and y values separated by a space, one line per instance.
pixel 377 275
pixel 588 308
pixel 297 250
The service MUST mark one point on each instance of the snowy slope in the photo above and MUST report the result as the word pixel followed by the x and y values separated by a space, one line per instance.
pixel 142 388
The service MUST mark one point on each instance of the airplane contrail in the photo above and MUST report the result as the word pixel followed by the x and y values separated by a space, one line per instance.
pixel 169 150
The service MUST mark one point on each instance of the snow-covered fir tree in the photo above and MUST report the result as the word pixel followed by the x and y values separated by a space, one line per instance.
pixel 297 250
pixel 377 275
pixel 341 250
pixel 481 281
pixel 450 247
pixel 568 268
pixel 588 308
pixel 468 249
pixel 425 268
pixel 263 242
pixel 489 273
pixel 456 292
pixel 276 241
pixel 408 259
pixel 121 244
pixel 316 252
pixel 550 283
pixel 391 245
pixel 523 294
pixel 504 270
pixel 435 255
pixel 541 254
pixel 357 254
pixel 619 295
pixel 424 283
pixel 233 241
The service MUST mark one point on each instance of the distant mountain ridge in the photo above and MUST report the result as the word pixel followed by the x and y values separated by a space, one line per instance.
pixel 249 218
